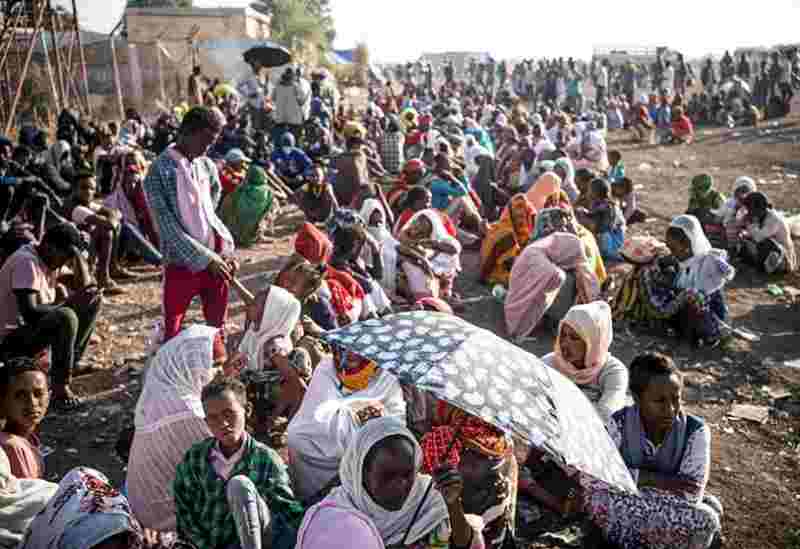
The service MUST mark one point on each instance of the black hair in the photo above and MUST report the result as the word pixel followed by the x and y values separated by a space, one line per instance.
pixel 64 237
pixel 221 384
pixel 647 366
pixel 198 119
pixel 614 154
pixel 14 367
pixel 600 188
pixel 584 173
pixel 415 194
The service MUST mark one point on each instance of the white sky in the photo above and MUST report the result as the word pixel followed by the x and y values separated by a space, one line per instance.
pixel 520 28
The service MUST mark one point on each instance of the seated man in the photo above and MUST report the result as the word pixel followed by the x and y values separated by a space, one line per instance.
pixel 290 161
pixel 63 324
pixel 316 198
pixel 231 490
pixel 104 225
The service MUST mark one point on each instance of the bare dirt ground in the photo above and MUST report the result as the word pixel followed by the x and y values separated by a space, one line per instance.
pixel 756 466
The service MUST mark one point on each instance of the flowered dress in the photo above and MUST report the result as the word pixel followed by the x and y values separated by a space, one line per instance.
pixel 649 294
pixel 654 518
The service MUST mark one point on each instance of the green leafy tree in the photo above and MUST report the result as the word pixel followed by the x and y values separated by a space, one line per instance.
pixel 298 24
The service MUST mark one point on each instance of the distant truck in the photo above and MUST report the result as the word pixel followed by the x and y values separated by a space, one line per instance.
pixel 638 55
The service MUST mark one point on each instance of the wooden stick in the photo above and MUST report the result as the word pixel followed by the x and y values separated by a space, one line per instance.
pixel 247 297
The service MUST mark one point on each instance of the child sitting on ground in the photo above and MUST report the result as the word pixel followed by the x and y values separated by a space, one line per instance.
pixel 625 195
pixel 706 204
pixel 105 226
pixel 25 397
pixel 734 213
pixel 231 490
pixel 617 170
pixel 682 128
pixel 606 221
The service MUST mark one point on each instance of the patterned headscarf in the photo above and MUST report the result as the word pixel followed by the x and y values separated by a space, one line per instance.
pixel 344 218
pixel 472 433
pixel 85 512
pixel 702 185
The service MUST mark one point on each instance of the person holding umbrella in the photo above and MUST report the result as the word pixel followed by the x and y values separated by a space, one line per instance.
pixel 384 501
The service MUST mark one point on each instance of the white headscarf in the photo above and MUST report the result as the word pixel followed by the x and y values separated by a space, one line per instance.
pixel 443 264
pixel 392 525
pixel 175 378
pixel 57 152
pixel 708 269
pixel 280 316
pixel 325 425
pixel 388 244
pixel 21 499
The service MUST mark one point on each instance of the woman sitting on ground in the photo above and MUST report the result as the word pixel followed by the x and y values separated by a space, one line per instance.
pixel 350 237
pixel 345 391
pixel 548 278
pixel 767 240
pixel 426 234
pixel 581 353
pixel 734 213
pixel 247 206
pixel 86 512
pixel 274 363
pixel 505 241
pixel 669 455
pixel 484 457
pixel 684 289
pixel 393 254
pixel 341 298
pixel 24 389
pixel 413 172
pixel 562 219
pixel 169 419
pixel 384 501
pixel 21 500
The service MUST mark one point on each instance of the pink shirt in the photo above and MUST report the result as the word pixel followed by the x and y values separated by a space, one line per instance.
pixel 222 465
pixel 24 455
pixel 24 270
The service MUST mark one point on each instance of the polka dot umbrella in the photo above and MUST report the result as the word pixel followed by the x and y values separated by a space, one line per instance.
pixel 489 377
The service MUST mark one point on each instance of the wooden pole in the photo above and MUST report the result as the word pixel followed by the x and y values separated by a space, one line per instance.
pixel 160 66
pixel 117 83
pixel 24 73
pixel 62 88
pixel 50 76
pixel 84 73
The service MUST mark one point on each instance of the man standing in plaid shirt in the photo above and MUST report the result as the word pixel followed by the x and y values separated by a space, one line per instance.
pixel 183 189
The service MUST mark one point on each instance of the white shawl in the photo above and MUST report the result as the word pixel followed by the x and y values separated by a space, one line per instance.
pixel 323 428
pixel 387 242
pixel 280 316
pixel 353 494
pixel 175 378
pixel 20 501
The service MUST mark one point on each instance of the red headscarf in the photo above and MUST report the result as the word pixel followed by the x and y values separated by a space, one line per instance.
pixel 473 433
pixel 313 244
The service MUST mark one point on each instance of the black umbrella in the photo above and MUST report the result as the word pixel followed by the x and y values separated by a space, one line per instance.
pixel 268 54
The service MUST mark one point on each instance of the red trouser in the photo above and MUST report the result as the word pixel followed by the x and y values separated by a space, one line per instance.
pixel 181 286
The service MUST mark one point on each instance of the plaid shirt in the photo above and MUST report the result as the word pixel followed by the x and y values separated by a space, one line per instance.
pixel 392 151
pixel 160 186
pixel 204 518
